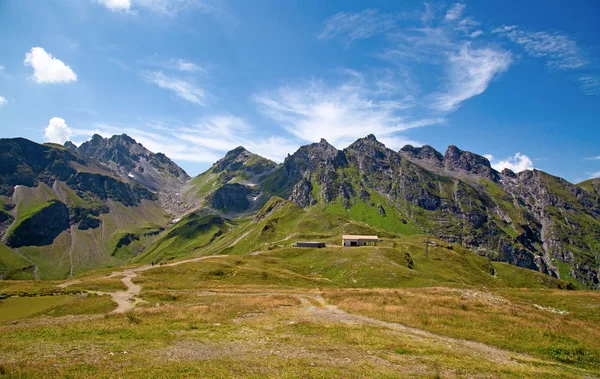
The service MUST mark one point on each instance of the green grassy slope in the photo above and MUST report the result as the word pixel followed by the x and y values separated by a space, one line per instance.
pixel 192 232
pixel 401 264
pixel 122 232
pixel 13 265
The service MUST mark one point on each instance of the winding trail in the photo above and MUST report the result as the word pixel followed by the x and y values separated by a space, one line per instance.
pixel 128 299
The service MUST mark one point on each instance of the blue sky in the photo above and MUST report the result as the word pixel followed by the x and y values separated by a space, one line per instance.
pixel 196 78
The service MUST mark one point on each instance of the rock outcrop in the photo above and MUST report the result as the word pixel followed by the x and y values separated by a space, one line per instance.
pixel 134 163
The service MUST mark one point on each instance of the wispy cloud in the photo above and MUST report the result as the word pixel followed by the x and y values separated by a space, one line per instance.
pixel 595 175
pixel 355 26
pixel 116 5
pixel 168 8
pixel 592 158
pixel 560 50
pixel 48 69
pixel 469 74
pixel 517 163
pixel 205 141
pixel 589 84
pixel 225 132
pixel 182 88
pixel 339 113
pixel 187 66
pixel 461 67
pixel 173 64
pixel 173 7
pixel 455 12
pixel 3 101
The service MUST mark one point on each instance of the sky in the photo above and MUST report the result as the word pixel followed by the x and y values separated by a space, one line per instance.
pixel 518 82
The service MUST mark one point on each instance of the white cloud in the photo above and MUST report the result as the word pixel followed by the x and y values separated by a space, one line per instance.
pixel 443 53
pixel 3 101
pixel 595 175
pixel 517 163
pixel 470 73
pixel 57 131
pixel 173 7
pixel 222 133
pixel 559 49
pixel 592 158
pixel 428 15
pixel 47 69
pixel 163 7
pixel 476 34
pixel 116 5
pixel 355 26
pixel 455 12
pixel 180 87
pixel 398 142
pixel 340 114
pixel 590 85
pixel 183 65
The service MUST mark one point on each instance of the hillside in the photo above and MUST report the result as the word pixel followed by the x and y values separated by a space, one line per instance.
pixel 64 214
pixel 232 184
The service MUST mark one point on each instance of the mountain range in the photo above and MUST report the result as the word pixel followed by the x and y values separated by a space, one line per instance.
pixel 110 201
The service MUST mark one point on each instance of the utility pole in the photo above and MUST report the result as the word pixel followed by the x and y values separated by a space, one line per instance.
pixel 427 242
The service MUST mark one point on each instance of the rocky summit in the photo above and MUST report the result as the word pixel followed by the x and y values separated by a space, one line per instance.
pixel 529 219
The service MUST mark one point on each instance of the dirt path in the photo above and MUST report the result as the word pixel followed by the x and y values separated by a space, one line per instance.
pixel 241 238
pixel 128 299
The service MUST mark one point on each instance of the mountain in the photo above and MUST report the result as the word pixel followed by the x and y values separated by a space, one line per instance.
pixel 133 162
pixel 529 219
pixel 62 213
pixel 234 184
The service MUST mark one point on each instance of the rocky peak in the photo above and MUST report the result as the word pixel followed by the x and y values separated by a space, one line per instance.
pixel 508 172
pixel 241 159
pixel 424 152
pixel 237 151
pixel 456 158
pixel 123 138
pixel 71 146
pixel 369 140
pixel 233 160
pixel 371 155
pixel 309 158
pixel 134 162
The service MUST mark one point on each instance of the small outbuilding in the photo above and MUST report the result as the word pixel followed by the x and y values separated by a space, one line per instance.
pixel 350 240
pixel 317 245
